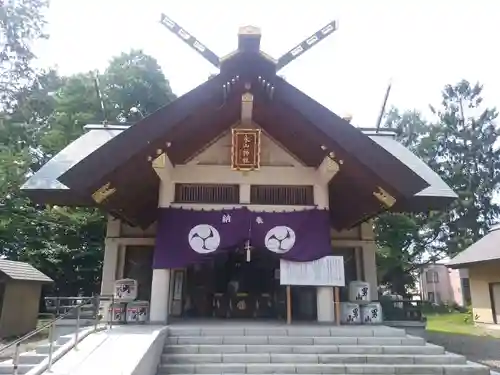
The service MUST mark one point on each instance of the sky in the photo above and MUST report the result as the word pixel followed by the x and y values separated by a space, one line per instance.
pixel 419 45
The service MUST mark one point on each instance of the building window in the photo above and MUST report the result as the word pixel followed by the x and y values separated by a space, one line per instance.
pixel 207 193
pixel 432 277
pixel 282 195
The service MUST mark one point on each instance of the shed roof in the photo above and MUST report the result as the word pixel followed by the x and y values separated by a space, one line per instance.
pixel 22 271
pixel 486 249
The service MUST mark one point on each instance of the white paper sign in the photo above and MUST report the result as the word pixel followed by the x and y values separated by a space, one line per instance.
pixel 327 271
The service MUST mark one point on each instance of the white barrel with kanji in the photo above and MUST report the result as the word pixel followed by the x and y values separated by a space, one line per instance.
pixel 116 312
pixel 350 313
pixel 137 312
pixel 371 313
pixel 125 290
pixel 359 292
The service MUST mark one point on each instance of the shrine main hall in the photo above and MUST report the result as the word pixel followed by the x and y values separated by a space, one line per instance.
pixel 211 194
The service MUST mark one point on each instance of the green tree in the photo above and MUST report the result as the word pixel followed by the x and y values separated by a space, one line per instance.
pixel 66 243
pixel 461 147
pixel 403 239
pixel 135 86
pixel 21 23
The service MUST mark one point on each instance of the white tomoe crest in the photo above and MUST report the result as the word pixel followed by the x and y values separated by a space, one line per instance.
pixel 280 239
pixel 204 238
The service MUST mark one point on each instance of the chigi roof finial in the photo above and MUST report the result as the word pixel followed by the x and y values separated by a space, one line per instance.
pixel 249 38
pixel 248 41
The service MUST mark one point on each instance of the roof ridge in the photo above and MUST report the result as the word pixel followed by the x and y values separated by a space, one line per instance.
pixel 494 227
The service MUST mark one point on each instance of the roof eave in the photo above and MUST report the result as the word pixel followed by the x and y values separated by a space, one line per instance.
pixel 407 182
pixel 423 204
pixel 58 197
pixel 157 124
pixel 467 264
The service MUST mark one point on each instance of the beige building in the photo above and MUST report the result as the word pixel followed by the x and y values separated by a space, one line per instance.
pixel 244 143
pixel 482 260
pixel 440 284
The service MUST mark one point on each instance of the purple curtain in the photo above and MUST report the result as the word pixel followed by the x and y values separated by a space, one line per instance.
pixel 299 236
pixel 186 237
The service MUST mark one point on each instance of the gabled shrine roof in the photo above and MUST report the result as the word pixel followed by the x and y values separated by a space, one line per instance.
pixel 121 160
pixel 44 186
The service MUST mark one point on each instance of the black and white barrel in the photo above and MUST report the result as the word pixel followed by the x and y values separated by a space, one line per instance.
pixel 125 290
pixel 137 312
pixel 371 313
pixel 350 313
pixel 359 292
pixel 116 312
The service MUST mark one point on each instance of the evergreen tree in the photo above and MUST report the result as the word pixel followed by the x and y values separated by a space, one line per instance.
pixel 65 243
pixel 463 149
pixel 461 146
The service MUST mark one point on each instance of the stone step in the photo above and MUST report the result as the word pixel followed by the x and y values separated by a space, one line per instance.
pixel 44 349
pixel 8 368
pixel 388 359
pixel 304 349
pixel 320 331
pixel 64 339
pixel 31 358
pixel 293 340
pixel 292 368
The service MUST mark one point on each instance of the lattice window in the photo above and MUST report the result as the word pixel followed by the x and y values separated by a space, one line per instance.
pixel 283 195
pixel 432 277
pixel 207 193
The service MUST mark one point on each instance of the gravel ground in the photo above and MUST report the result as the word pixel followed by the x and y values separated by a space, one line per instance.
pixel 482 349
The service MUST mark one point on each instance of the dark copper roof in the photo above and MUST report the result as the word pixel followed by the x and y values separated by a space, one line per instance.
pixel 306 128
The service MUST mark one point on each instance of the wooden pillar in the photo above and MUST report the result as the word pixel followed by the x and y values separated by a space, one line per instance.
pixel 337 304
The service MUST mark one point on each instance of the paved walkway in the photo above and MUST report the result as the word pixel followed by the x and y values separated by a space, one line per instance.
pixel 482 349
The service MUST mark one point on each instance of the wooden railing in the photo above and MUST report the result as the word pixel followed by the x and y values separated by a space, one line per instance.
pixel 58 306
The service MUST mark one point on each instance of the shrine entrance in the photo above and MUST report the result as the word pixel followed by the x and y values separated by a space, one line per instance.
pixel 231 286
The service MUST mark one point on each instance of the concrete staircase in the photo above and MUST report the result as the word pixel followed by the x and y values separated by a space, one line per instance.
pixel 274 349
pixel 28 360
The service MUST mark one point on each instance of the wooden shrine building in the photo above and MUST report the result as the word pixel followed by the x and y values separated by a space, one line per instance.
pixel 207 194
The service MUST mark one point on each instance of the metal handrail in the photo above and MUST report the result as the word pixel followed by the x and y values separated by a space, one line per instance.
pixel 50 325
pixel 38 330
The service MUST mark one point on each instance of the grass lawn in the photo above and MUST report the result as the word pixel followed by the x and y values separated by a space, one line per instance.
pixel 457 323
